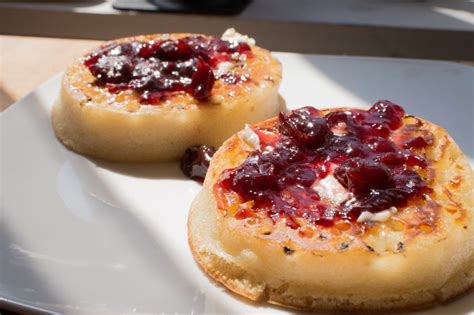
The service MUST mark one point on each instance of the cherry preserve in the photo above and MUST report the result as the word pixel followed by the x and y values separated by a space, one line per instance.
pixel 195 162
pixel 155 69
pixel 353 146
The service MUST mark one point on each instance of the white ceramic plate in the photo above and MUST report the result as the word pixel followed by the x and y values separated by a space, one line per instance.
pixel 80 235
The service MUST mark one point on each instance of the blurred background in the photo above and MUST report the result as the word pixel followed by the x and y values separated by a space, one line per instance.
pixel 33 31
pixel 394 28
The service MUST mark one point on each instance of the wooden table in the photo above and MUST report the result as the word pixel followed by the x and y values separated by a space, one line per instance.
pixel 26 62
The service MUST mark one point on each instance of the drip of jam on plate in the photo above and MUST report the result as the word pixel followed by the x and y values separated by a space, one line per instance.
pixel 155 69
pixel 195 162
pixel 308 155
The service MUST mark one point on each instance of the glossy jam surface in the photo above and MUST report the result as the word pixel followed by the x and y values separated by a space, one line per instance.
pixel 357 148
pixel 195 162
pixel 155 69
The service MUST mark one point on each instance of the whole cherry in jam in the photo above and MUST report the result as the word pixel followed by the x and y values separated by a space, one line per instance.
pixel 170 50
pixel 256 178
pixel 113 69
pixel 195 162
pixel 354 146
pixel 305 126
pixel 338 149
pixel 387 113
pixel 202 80
pixel 302 175
pixel 361 175
pixel 379 120
pixel 156 69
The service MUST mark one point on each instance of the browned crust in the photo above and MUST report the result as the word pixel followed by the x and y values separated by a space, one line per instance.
pixel 232 147
pixel 217 275
pixel 455 187
pixel 90 120
pixel 261 67
pixel 237 288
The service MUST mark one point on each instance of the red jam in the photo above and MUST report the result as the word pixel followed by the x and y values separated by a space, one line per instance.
pixel 195 162
pixel 155 69
pixel 353 145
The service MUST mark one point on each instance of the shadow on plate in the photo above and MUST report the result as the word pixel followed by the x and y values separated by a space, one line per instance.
pixel 165 170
